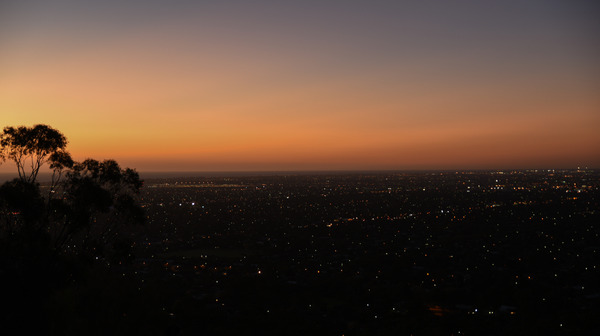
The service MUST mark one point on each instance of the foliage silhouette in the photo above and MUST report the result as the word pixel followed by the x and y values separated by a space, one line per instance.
pixel 87 202
pixel 33 146
pixel 99 198
pixel 53 234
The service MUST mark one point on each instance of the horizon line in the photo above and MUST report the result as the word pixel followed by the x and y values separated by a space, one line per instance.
pixel 4 176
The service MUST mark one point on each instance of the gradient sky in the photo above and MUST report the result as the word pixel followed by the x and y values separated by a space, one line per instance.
pixel 308 85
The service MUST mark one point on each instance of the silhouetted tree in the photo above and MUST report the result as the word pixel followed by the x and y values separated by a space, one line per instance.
pixel 98 200
pixel 32 147
pixel 87 203
pixel 84 212
pixel 59 161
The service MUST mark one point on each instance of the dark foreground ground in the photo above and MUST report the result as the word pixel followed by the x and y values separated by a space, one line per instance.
pixel 483 253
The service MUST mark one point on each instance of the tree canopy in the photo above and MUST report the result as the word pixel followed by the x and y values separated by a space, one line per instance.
pixel 31 147
pixel 80 211
pixel 53 233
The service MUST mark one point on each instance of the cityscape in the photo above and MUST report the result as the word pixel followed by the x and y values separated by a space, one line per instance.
pixel 299 167
pixel 467 252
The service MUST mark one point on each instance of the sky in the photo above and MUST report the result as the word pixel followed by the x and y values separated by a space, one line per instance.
pixel 308 85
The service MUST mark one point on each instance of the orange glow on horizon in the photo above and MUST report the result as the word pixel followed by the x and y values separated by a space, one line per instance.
pixel 189 95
